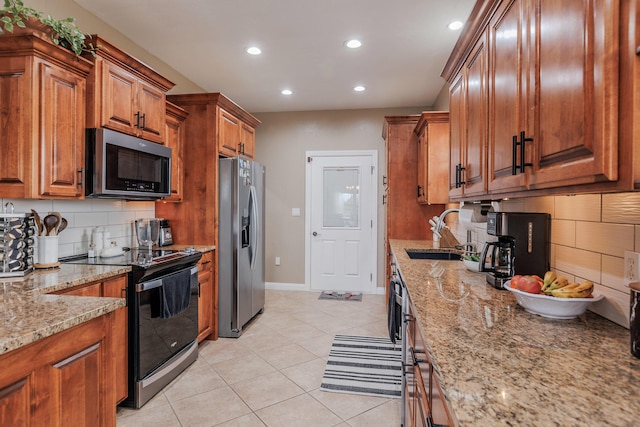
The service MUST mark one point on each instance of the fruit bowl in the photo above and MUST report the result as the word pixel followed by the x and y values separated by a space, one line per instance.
pixel 548 306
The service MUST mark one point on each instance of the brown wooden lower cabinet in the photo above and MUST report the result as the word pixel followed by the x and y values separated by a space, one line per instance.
pixel 61 380
pixel 424 402
pixel 207 316
pixel 115 288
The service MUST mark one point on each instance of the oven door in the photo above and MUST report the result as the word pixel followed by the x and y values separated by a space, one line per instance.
pixel 163 326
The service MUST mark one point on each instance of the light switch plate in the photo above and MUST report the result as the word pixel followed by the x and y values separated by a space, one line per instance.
pixel 295 211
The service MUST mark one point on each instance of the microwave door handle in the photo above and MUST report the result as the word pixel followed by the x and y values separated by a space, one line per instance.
pixel 255 221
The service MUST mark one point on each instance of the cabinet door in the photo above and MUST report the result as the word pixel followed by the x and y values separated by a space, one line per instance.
pixel 117 288
pixel 475 139
pixel 175 139
pixel 423 165
pixel 151 113
pixel 90 290
pixel 205 296
pixel 63 109
pixel 575 106
pixel 456 134
pixel 16 148
pixel 247 140
pixel 507 93
pixel 15 403
pixel 119 90
pixel 229 134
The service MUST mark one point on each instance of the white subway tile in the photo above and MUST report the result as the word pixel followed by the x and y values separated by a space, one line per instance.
pixel 106 205
pixel 513 205
pixel 563 232
pixel 90 219
pixel 539 204
pixel 621 208
pixel 64 206
pixel 610 239
pixel 583 207
pixel 578 262
pixel 43 207
pixel 614 306
pixel 612 268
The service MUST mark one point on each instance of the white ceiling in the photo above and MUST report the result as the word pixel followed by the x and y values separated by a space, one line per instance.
pixel 405 46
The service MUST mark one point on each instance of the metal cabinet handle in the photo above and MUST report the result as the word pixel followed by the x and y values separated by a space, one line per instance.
pixel 137 116
pixel 144 121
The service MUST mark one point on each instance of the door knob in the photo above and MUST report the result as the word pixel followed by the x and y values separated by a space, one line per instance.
pixel 315 234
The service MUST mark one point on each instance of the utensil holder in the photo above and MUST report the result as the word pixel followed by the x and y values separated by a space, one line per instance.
pixel 47 252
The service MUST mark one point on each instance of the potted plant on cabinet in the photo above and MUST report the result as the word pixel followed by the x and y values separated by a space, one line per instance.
pixel 15 16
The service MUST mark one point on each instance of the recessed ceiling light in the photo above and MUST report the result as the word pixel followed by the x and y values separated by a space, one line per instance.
pixel 455 25
pixel 359 88
pixel 286 92
pixel 353 44
pixel 254 50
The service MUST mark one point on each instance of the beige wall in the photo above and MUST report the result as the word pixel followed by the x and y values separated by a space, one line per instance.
pixel 90 24
pixel 281 142
pixel 442 101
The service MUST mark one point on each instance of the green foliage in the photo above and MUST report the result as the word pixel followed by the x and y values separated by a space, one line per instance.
pixel 64 32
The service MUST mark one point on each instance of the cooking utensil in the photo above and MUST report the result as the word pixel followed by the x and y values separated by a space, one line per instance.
pixel 63 224
pixel 50 223
pixel 38 221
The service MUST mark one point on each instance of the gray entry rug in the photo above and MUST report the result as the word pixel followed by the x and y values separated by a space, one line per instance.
pixel 341 296
pixel 364 365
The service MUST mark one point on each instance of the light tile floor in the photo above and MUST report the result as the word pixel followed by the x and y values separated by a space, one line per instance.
pixel 271 375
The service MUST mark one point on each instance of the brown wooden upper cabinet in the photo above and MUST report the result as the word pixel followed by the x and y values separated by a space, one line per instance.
pixel 43 104
pixel 233 128
pixel 534 98
pixel 125 94
pixel 175 138
pixel 236 138
pixel 433 157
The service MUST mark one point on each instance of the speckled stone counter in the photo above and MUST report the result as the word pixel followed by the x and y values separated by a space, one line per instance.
pixel 502 366
pixel 27 314
pixel 199 248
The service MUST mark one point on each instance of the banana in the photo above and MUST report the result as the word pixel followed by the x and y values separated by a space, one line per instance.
pixel 549 277
pixel 574 290
pixel 558 283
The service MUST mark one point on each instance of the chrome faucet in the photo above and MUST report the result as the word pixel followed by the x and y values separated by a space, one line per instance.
pixel 438 224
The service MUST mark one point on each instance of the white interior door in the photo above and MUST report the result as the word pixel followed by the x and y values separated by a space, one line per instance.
pixel 341 230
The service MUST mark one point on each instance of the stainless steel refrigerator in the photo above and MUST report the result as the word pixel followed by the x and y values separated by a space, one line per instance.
pixel 240 244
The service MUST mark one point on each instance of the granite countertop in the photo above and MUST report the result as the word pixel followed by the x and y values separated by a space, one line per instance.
pixel 502 366
pixel 199 248
pixel 28 314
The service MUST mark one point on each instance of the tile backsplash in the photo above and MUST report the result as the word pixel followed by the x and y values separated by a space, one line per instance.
pixel 589 234
pixel 116 216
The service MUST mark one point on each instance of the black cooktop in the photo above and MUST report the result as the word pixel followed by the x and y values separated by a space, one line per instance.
pixel 135 257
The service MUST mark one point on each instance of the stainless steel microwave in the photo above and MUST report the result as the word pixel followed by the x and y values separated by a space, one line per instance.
pixel 125 167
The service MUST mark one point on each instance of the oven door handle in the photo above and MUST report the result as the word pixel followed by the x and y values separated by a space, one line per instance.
pixel 145 286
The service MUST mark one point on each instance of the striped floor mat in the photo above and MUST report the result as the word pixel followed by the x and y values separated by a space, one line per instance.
pixel 364 365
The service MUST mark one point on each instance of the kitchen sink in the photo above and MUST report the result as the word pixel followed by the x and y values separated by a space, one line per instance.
pixel 433 254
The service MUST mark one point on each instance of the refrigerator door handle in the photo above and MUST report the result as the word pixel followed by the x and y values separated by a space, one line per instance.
pixel 255 222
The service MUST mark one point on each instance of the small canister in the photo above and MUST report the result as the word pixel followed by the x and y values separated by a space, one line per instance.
pixel 634 318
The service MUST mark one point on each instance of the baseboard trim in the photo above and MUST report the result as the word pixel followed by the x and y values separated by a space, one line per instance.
pixel 280 286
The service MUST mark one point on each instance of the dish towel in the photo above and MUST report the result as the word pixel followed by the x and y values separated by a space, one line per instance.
pixel 394 311
pixel 176 294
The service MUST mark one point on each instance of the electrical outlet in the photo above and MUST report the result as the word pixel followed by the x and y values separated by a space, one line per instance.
pixel 631 267
pixel 277 260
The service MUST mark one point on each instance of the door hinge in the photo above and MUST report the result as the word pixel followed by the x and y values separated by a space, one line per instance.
pixel 371 277
pixel 309 159
pixel 371 170
pixel 371 223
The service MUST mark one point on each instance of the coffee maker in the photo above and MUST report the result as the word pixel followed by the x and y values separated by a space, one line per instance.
pixel 522 247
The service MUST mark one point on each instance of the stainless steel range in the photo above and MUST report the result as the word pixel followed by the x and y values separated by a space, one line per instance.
pixel 162 297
